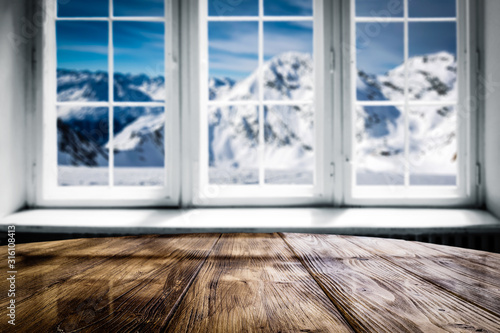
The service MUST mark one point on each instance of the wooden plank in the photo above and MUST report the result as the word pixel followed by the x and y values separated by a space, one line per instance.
pixel 253 283
pixel 378 296
pixel 135 291
pixel 48 263
pixel 485 258
pixel 474 282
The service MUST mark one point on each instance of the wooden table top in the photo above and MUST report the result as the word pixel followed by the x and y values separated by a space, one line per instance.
pixel 251 283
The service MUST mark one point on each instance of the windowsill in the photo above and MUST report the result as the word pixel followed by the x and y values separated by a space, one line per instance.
pixel 307 220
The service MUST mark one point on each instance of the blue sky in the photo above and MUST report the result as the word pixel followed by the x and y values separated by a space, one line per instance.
pixel 233 46
pixel 86 8
pixel 432 8
pixel 82 8
pixel 381 8
pixel 288 7
pixel 416 8
pixel 380 48
pixel 251 7
pixel 138 8
pixel 432 37
pixel 233 49
pixel 138 46
pixel 82 45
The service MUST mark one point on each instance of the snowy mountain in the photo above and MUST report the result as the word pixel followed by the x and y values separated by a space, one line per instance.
pixel 85 86
pixel 288 130
pixel 380 130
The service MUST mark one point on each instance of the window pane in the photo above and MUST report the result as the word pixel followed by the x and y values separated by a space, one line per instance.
pixel 380 8
pixel 288 55
pixel 233 8
pixel 138 145
pixel 139 61
pixel 138 7
pixel 82 8
pixel 233 60
pixel 380 59
pixel 289 137
pixel 379 146
pixel 433 145
pixel 432 67
pixel 82 155
pixel 82 61
pixel 288 7
pixel 233 134
pixel 432 8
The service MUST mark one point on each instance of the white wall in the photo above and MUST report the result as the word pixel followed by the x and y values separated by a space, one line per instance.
pixel 491 59
pixel 13 71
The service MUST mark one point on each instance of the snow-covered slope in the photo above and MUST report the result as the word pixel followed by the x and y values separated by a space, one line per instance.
pixel 288 130
pixel 380 130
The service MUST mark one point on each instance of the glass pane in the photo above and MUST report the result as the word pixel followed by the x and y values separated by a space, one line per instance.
pixel 288 7
pixel 82 61
pixel 433 146
pixel 233 60
pixel 432 8
pixel 139 61
pixel 289 137
pixel 380 8
pixel 82 8
pixel 432 66
pixel 233 7
pixel 380 59
pixel 82 154
pixel 138 7
pixel 379 146
pixel 233 135
pixel 288 55
pixel 138 146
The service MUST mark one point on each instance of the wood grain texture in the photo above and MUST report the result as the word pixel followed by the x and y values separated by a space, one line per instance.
pixel 376 295
pixel 252 283
pixel 481 257
pixel 49 263
pixel 134 290
pixel 472 281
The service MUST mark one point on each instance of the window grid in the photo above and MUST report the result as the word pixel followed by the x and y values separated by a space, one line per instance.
pixel 111 104
pixel 406 102
pixel 261 103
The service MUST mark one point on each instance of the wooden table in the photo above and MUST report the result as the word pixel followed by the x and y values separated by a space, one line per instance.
pixel 252 283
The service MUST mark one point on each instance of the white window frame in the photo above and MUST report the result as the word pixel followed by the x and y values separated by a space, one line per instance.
pixel 184 25
pixel 48 193
pixel 205 194
pixel 466 192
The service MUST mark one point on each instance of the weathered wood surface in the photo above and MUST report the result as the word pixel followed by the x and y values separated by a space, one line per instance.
pixel 481 257
pixel 135 290
pixel 253 283
pixel 475 282
pixel 376 295
pixel 48 263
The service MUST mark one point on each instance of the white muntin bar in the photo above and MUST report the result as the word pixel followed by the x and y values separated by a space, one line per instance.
pixel 257 102
pixel 406 111
pixel 260 18
pixel 403 19
pixel 111 157
pixel 261 94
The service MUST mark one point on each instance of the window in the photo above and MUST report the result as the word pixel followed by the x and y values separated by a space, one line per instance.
pixel 109 113
pixel 259 90
pixel 256 102
pixel 409 128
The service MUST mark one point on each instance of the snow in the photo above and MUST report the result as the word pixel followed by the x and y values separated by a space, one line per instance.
pixel 289 147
